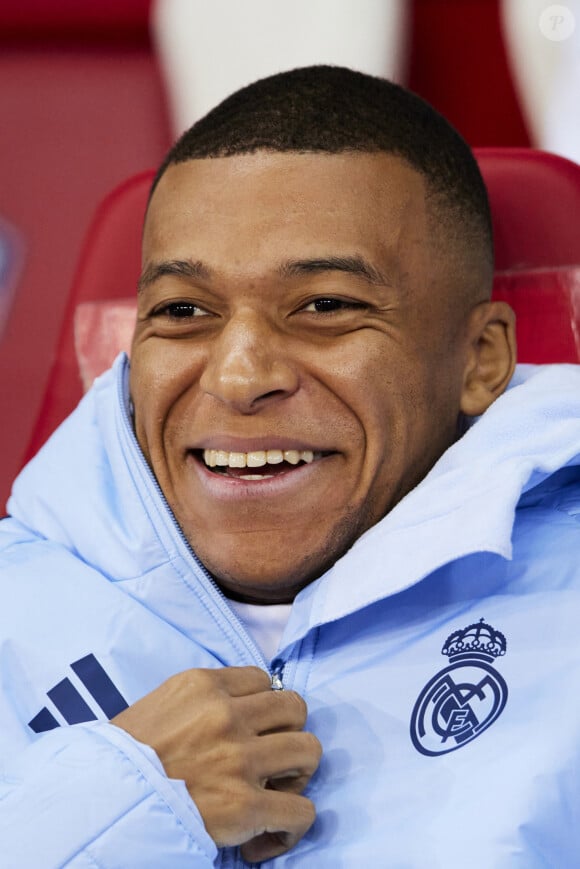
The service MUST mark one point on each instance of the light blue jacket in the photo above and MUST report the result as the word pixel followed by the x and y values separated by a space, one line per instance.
pixel 432 760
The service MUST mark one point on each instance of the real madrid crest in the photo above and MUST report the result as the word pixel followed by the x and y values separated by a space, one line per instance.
pixel 465 698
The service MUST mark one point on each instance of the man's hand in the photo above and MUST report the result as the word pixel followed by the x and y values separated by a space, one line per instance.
pixel 241 750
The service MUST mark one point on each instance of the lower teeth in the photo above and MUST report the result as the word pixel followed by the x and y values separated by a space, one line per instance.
pixel 256 476
pixel 225 471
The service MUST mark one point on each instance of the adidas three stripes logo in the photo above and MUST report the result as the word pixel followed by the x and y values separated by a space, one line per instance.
pixel 72 705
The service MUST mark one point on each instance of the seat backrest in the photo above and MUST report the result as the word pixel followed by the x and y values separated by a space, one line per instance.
pixel 535 198
pixel 108 270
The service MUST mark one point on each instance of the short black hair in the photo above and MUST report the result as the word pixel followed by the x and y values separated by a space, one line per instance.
pixel 331 109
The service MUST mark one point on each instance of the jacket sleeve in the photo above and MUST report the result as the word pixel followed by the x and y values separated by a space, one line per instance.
pixel 92 797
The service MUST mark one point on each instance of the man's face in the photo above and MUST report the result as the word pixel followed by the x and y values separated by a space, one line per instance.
pixel 296 367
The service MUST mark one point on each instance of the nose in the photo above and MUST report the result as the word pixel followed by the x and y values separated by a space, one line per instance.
pixel 248 366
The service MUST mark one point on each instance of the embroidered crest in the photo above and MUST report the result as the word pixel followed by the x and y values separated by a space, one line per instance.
pixel 465 698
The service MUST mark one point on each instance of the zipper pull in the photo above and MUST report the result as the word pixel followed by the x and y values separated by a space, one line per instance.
pixel 277 684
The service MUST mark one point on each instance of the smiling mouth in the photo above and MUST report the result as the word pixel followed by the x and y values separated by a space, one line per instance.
pixel 257 464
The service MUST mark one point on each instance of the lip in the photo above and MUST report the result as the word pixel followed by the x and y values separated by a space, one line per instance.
pixel 224 488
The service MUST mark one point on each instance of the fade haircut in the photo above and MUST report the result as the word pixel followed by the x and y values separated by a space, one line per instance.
pixel 332 110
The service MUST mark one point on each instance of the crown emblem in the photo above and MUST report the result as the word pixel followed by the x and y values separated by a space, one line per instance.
pixel 479 638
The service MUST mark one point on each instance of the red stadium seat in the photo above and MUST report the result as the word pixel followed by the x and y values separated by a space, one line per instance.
pixel 83 105
pixel 535 200
pixel 535 197
pixel 108 271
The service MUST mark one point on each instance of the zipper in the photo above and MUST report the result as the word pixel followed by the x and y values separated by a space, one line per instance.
pixel 276 673
pixel 276 668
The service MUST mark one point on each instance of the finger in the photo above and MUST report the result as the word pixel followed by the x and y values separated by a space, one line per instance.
pixel 267 712
pixel 287 818
pixel 281 755
pixel 240 681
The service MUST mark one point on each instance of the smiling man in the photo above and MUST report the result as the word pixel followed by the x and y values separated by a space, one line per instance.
pixel 295 368
pixel 235 568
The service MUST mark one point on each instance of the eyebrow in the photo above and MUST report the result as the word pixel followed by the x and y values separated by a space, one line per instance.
pixel 352 265
pixel 195 270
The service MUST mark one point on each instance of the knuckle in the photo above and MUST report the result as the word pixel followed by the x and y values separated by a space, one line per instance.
pixel 194 680
pixel 307 745
pixel 177 687
pixel 313 745
pixel 224 718
pixel 208 680
pixel 175 681
pixel 262 678
pixel 307 812
pixel 296 703
pixel 311 764
pixel 306 750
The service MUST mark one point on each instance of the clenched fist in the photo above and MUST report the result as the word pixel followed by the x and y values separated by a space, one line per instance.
pixel 241 750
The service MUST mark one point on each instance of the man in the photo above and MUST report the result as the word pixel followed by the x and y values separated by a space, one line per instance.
pixel 295 452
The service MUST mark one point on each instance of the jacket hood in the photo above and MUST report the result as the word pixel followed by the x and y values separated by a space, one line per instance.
pixel 90 490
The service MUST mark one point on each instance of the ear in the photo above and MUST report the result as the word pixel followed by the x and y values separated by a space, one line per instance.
pixel 491 356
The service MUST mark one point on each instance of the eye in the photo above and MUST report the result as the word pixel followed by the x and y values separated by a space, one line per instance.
pixel 331 305
pixel 180 311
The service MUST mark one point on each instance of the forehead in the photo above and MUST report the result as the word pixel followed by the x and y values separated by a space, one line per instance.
pixel 265 204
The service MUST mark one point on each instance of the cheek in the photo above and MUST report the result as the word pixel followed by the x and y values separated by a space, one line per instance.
pixel 161 372
pixel 407 404
pixel 379 383
pixel 157 363
pixel 154 388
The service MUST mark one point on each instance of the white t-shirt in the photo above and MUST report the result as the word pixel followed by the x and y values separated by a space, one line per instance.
pixel 265 624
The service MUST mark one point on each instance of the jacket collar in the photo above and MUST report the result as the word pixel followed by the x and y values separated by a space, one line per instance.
pixel 465 505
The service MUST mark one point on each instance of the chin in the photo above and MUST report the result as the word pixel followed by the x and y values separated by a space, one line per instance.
pixel 273 585
pixel 269 567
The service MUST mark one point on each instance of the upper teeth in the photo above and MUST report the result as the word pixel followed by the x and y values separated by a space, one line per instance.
pixel 256 458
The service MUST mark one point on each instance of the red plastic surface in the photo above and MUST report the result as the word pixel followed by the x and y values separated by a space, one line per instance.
pixel 535 203
pixel 547 306
pixel 75 123
pixel 109 268
pixel 110 21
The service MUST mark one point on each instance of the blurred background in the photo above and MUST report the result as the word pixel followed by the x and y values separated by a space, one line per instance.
pixel 91 93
